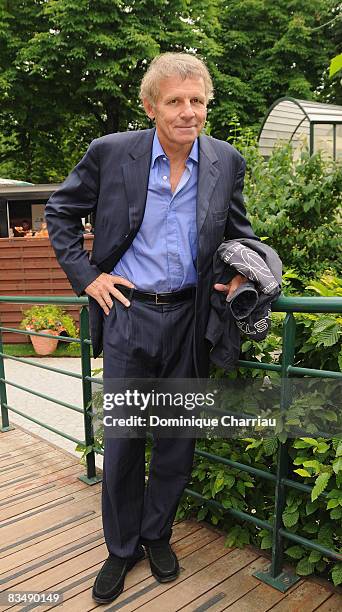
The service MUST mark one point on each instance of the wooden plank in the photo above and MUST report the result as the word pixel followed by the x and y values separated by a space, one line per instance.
pixel 33 569
pixel 333 604
pixel 45 534
pixel 39 468
pixel 57 513
pixel 18 463
pixel 305 598
pixel 9 441
pixel 37 448
pixel 51 544
pixel 34 480
pixel 37 491
pixel 32 274
pixel 60 568
pixel 229 590
pixel 20 466
pixel 260 599
pixel 40 500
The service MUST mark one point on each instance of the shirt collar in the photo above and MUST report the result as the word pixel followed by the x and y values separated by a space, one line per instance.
pixel 158 151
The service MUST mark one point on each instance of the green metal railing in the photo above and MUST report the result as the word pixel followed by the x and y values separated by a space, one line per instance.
pixel 90 477
pixel 274 576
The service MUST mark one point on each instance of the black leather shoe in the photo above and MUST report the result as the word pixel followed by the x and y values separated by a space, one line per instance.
pixel 110 580
pixel 163 561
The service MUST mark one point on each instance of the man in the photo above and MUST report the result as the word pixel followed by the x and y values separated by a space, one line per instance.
pixel 164 198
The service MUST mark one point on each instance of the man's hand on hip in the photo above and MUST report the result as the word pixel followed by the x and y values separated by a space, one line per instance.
pixel 103 288
pixel 229 288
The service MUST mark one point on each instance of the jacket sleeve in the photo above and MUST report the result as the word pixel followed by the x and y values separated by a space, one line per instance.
pixel 76 198
pixel 238 225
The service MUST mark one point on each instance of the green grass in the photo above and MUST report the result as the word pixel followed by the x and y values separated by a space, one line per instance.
pixel 63 349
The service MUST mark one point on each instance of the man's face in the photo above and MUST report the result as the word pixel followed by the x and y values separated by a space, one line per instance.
pixel 179 112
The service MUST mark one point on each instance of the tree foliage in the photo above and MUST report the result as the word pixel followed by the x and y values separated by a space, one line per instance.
pixel 70 69
pixel 270 50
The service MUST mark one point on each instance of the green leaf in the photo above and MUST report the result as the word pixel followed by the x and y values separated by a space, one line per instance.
pixel 332 503
pixel 315 556
pixel 336 574
pixel 290 518
pixel 322 447
pixel 218 485
pixel 266 541
pixel 229 480
pixel 304 567
pixel 337 465
pixel 202 514
pixel 299 460
pixel 313 463
pixel 335 493
pixel 336 513
pixel 302 472
pixel 328 337
pixel 325 535
pixel 270 446
pixel 296 552
pixel 311 528
pixel 335 65
pixel 241 487
pixel 330 415
pixel 320 484
pixel 305 443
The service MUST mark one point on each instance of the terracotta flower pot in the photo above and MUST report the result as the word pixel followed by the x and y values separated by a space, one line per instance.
pixel 45 346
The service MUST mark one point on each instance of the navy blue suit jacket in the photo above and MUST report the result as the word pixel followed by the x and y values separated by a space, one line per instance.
pixel 111 180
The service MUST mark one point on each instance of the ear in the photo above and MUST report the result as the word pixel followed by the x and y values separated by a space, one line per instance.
pixel 149 109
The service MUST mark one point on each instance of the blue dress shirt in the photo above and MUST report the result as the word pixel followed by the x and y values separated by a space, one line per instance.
pixel 162 256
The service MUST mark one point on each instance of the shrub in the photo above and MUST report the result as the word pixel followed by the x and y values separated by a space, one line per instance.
pixel 295 205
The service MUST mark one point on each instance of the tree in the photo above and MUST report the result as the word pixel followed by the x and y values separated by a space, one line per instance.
pixel 80 68
pixel 270 50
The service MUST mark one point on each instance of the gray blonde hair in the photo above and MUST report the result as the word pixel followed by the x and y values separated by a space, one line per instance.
pixel 166 65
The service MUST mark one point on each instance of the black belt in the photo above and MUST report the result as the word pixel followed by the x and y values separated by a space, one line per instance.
pixel 157 298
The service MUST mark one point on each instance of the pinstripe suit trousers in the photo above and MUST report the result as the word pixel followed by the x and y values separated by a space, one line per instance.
pixel 145 340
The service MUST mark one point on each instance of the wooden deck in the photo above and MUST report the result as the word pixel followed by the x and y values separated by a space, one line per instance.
pixel 51 540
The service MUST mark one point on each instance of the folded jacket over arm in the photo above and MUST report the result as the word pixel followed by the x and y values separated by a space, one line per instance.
pixel 248 309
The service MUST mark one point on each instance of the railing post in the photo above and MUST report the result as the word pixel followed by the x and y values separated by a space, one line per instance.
pixel 5 426
pixel 91 477
pixel 274 576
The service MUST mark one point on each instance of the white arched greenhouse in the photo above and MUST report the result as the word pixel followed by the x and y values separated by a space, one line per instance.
pixel 315 126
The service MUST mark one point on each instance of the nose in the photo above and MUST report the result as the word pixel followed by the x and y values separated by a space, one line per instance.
pixel 187 110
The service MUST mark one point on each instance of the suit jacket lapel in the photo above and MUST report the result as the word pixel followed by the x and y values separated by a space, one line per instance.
pixel 208 174
pixel 136 174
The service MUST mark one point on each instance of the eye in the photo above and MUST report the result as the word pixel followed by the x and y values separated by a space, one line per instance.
pixel 173 101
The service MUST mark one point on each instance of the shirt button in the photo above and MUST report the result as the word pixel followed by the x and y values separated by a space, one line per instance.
pixel 164 158
pixel 165 178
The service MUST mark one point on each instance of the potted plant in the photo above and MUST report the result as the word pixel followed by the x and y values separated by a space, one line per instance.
pixel 50 319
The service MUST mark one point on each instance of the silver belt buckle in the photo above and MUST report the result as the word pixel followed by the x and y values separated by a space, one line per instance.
pixel 158 300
